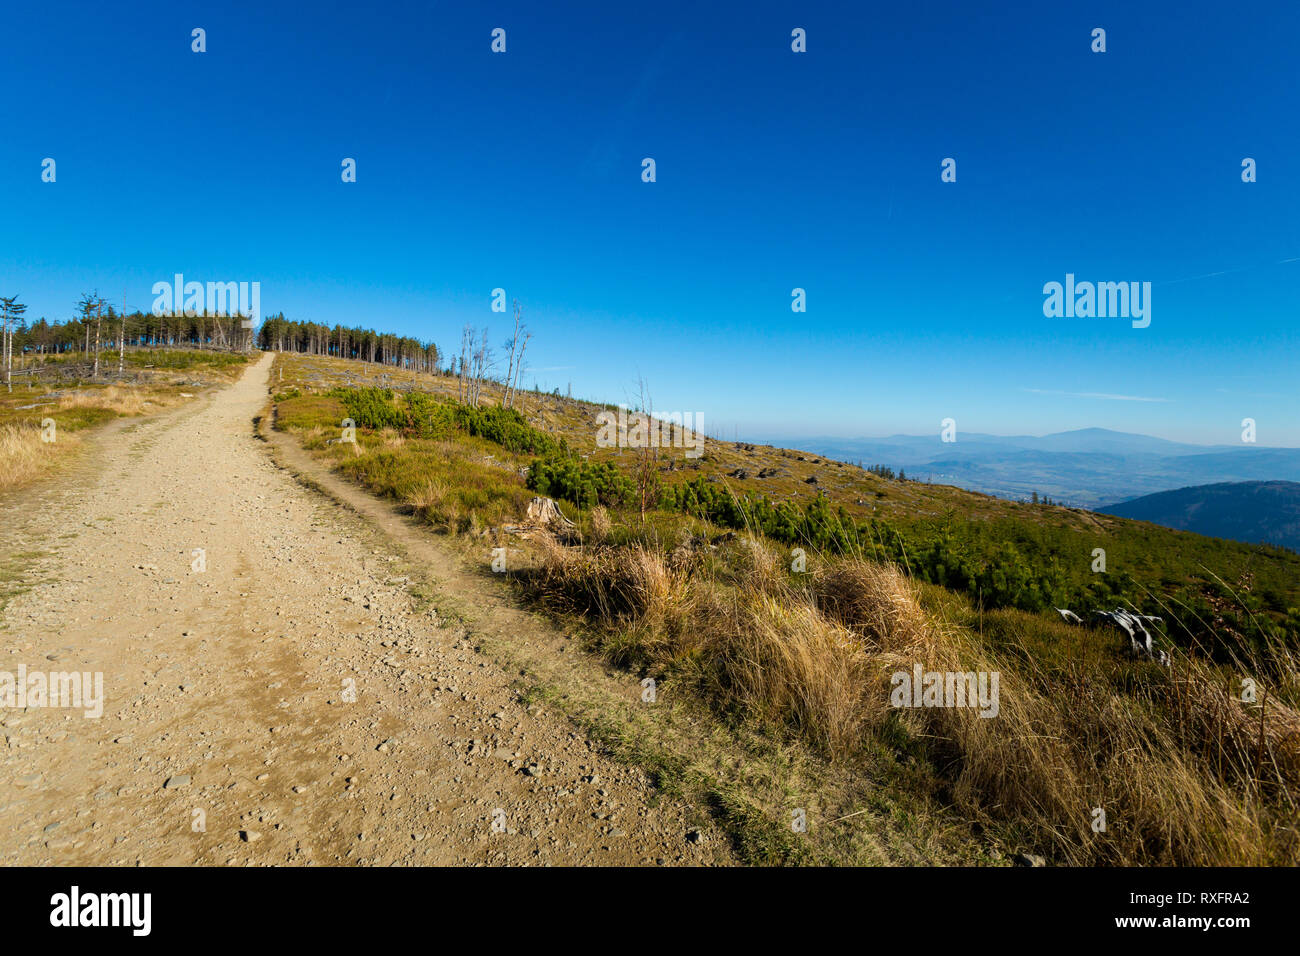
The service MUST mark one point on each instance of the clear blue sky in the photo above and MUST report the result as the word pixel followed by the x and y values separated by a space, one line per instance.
pixel 775 170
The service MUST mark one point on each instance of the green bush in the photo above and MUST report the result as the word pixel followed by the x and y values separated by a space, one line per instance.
pixel 584 483
pixel 428 416
pixel 372 407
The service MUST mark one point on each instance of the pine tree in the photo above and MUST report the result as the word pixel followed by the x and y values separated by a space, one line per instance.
pixel 11 309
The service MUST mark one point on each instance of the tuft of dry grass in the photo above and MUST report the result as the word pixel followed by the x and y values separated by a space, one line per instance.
pixel 428 500
pixel 756 566
pixel 120 400
pixel 612 584
pixel 876 600
pixel 601 525
pixel 783 662
pixel 24 456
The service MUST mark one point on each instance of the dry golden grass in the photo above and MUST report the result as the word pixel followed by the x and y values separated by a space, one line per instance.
pixel 120 400
pixel 24 457
pixel 756 566
pixel 613 584
pixel 1184 773
pixel 877 600
pixel 601 525
pixel 428 500
pixel 783 662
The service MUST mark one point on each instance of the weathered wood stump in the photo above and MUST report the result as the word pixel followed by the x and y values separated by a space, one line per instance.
pixel 545 513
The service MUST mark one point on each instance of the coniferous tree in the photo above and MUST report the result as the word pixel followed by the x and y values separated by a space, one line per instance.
pixel 12 310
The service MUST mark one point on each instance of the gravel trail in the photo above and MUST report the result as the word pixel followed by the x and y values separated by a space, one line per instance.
pixel 282 702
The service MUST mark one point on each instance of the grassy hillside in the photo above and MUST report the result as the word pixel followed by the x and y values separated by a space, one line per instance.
pixel 1001 554
pixel 705 593
pixel 1254 511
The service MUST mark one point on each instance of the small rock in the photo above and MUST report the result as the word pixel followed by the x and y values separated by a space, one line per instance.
pixel 180 780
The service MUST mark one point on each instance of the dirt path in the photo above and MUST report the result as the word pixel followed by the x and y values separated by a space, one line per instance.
pixel 235 682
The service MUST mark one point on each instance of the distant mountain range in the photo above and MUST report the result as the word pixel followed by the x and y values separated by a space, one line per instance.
pixel 1085 468
pixel 1259 512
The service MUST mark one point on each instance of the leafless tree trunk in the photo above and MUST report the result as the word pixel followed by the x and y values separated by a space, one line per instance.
pixel 648 456
pixel 519 366
pixel 466 344
pixel 481 363
pixel 121 340
pixel 513 344
pixel 5 305
pixel 515 370
pixel 99 318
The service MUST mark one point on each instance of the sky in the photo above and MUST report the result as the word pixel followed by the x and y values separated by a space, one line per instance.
pixel 774 170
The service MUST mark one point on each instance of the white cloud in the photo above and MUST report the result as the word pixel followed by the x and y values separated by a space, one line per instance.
pixel 1105 396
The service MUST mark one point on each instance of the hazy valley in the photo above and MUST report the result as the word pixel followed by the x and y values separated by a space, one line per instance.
pixel 1087 468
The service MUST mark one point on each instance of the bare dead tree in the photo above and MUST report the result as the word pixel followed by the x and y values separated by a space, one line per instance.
pixel 466 348
pixel 99 321
pixel 121 339
pixel 647 466
pixel 517 342
pixel 481 364
pixel 512 344
pixel 519 365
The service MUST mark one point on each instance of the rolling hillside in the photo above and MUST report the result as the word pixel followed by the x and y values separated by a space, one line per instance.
pixel 1003 553
pixel 777 590
pixel 1257 512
